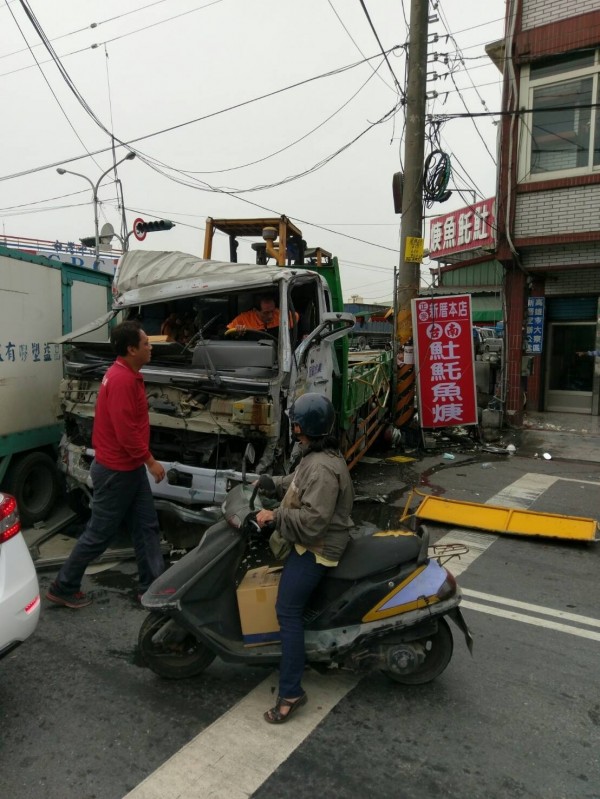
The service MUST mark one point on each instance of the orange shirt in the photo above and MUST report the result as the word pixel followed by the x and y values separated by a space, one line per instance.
pixel 251 320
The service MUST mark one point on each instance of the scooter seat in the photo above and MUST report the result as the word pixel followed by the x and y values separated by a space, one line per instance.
pixel 372 554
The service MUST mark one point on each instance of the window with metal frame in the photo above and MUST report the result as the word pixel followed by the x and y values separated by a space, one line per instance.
pixel 561 136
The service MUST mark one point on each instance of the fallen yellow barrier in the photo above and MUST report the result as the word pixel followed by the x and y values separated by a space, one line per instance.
pixel 512 521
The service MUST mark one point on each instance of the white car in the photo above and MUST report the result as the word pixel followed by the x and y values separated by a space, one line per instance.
pixel 19 589
pixel 490 340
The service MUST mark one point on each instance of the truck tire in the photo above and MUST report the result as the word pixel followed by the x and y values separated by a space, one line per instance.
pixel 362 343
pixel 33 481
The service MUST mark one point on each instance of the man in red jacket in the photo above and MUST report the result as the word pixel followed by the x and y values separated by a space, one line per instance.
pixel 122 493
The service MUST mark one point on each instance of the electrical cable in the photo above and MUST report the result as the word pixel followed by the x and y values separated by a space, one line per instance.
pixel 461 59
pixel 236 106
pixel 64 113
pixel 291 144
pixel 86 27
pixel 355 43
pixel 116 38
pixel 383 53
pixel 290 178
pixel 436 176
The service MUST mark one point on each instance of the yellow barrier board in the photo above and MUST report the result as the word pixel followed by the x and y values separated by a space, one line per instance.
pixel 513 521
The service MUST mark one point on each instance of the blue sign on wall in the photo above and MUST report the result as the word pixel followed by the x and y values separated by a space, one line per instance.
pixel 534 330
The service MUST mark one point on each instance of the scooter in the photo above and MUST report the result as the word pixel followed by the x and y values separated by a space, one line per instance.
pixel 383 607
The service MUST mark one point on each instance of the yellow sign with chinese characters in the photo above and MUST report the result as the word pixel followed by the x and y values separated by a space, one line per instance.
pixel 413 249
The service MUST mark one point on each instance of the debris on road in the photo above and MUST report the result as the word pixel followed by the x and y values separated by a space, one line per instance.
pixel 511 521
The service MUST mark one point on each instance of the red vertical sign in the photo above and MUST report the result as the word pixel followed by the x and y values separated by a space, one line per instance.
pixel 444 349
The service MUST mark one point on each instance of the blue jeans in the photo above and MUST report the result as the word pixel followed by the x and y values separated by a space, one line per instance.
pixel 301 575
pixel 118 497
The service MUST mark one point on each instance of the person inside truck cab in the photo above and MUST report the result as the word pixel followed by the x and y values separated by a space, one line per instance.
pixel 171 327
pixel 265 317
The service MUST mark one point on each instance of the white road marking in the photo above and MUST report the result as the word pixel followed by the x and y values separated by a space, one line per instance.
pixel 543 611
pixel 575 480
pixel 232 757
pixel 524 491
pixel 550 625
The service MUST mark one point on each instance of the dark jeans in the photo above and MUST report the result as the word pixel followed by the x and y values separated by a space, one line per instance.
pixel 301 575
pixel 118 497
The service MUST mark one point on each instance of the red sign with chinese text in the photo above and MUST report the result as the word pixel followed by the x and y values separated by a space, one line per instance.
pixel 443 333
pixel 465 229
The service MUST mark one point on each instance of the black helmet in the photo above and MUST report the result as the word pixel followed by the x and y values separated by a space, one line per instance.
pixel 314 414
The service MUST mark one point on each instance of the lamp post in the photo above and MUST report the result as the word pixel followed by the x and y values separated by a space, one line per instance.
pixel 129 157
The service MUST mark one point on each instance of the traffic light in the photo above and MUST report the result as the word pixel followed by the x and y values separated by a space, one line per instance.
pixel 152 227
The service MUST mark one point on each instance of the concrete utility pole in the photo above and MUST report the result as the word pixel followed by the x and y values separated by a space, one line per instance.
pixel 412 200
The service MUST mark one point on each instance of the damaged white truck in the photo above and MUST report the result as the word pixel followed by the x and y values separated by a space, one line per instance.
pixel 213 391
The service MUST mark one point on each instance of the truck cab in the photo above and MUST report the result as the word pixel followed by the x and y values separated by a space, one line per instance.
pixel 213 392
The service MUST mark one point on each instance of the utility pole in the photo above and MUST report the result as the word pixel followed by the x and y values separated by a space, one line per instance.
pixel 412 205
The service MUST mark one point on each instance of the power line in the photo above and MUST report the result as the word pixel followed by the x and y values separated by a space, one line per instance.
pixel 46 200
pixel 355 43
pixel 87 27
pixel 117 38
pixel 291 144
pixel 290 178
pixel 236 106
pixel 64 113
pixel 384 54
pixel 460 55
pixel 515 113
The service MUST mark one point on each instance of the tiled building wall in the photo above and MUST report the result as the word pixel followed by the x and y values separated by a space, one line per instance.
pixel 573 282
pixel 562 255
pixel 541 12
pixel 550 213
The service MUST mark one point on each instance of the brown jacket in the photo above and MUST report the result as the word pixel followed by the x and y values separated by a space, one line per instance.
pixel 315 510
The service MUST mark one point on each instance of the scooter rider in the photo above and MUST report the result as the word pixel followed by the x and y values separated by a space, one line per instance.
pixel 314 516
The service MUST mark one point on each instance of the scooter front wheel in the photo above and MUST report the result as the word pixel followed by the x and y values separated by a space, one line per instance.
pixel 170 651
pixel 438 650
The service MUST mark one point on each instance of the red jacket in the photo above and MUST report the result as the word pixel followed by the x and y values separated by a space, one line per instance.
pixel 121 425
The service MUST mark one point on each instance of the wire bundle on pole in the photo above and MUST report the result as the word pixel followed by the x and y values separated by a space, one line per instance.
pixel 436 176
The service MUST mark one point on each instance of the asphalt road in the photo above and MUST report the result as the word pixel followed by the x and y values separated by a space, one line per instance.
pixel 80 719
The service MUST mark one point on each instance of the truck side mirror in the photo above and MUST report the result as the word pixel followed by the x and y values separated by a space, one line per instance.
pixel 333 325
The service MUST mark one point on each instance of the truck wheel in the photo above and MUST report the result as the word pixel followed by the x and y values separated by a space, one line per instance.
pixel 33 481
pixel 170 651
pixel 362 343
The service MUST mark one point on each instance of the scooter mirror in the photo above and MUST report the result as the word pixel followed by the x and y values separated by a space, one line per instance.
pixel 266 483
pixel 248 458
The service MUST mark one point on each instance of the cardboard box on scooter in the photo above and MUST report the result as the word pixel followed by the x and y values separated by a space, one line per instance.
pixel 256 596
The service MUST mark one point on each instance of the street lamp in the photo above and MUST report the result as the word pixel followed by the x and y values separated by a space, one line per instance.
pixel 129 157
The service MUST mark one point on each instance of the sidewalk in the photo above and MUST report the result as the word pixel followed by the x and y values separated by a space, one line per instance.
pixel 570 436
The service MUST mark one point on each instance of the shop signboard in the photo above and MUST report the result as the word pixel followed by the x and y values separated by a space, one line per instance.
pixel 467 228
pixel 444 355
pixel 534 326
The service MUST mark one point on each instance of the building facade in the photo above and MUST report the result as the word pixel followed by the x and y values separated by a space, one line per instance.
pixel 548 205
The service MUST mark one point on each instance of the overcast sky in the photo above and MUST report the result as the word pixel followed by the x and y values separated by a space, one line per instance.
pixel 185 64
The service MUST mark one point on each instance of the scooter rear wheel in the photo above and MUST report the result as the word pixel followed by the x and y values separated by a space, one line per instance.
pixel 170 651
pixel 438 652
